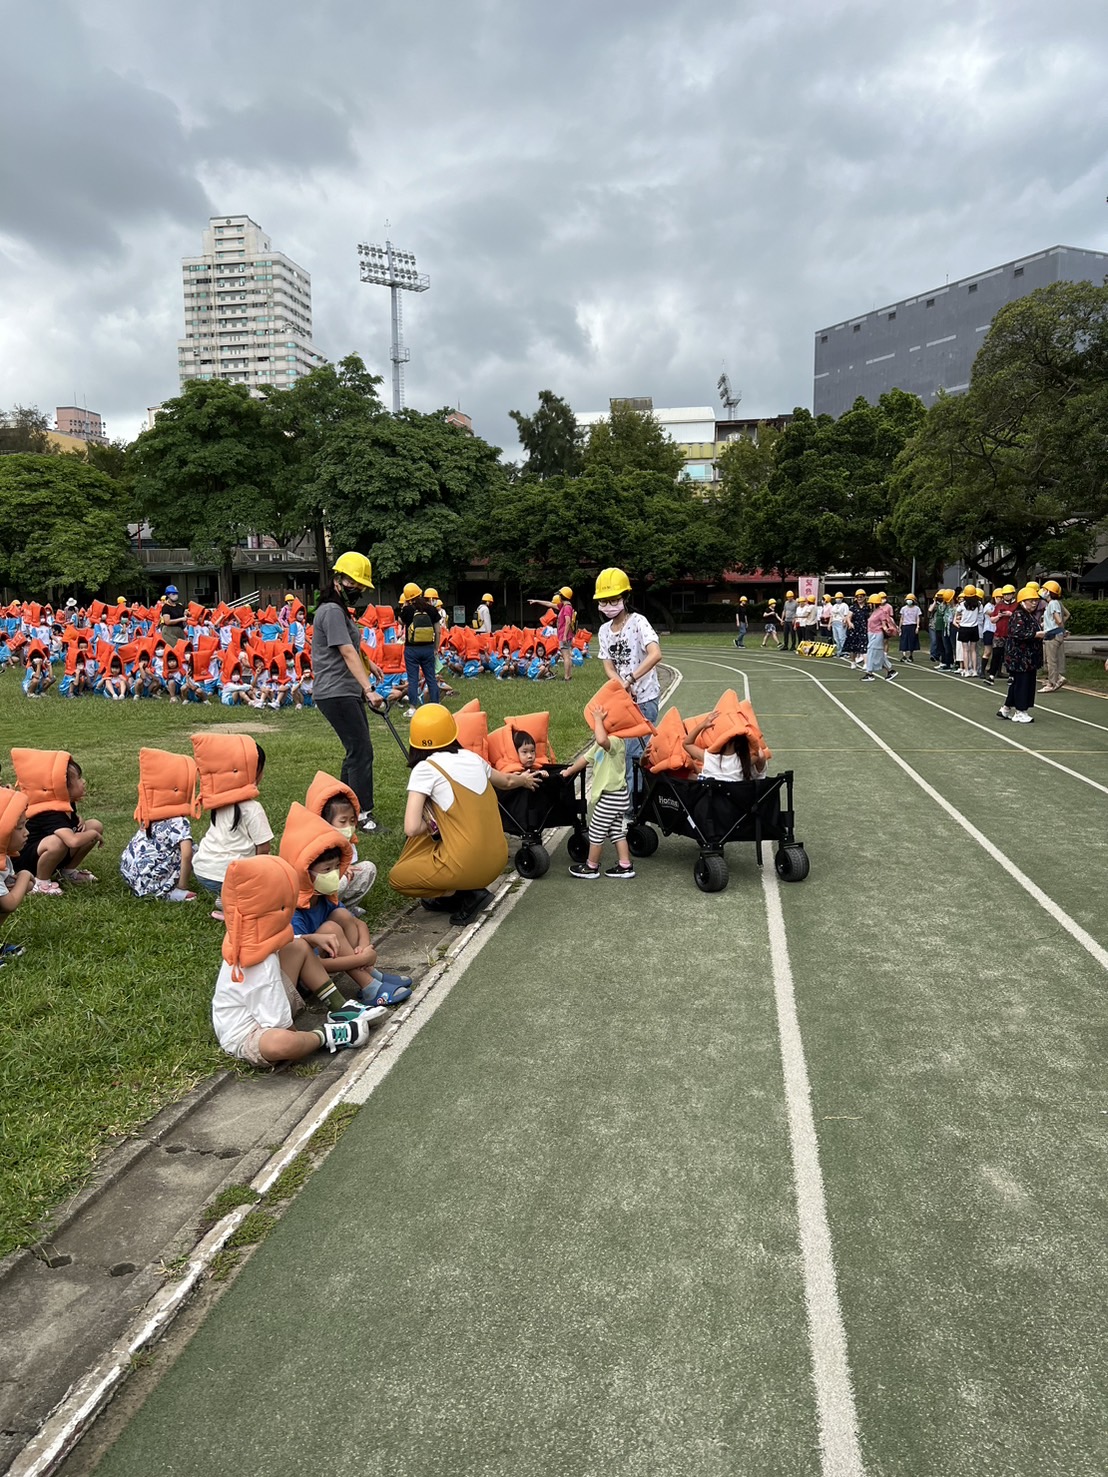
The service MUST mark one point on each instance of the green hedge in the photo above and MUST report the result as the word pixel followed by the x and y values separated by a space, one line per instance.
pixel 1087 617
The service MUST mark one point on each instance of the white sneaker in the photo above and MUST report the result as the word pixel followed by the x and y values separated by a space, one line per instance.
pixel 340 1035
pixel 411 712
pixel 1060 683
pixel 1004 712
pixel 1022 718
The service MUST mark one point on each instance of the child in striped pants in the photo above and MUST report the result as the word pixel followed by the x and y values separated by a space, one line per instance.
pixel 610 802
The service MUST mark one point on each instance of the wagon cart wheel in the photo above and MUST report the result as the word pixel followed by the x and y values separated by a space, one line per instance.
pixel 532 861
pixel 643 840
pixel 710 872
pixel 792 863
pixel 578 846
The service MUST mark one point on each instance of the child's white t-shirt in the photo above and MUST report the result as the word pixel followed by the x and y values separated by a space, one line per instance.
pixel 259 999
pixel 221 845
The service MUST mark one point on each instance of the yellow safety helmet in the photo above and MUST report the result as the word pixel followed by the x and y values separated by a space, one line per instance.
pixel 788 594
pixel 566 593
pixel 356 567
pixel 969 590
pixel 486 598
pixel 838 594
pixel 884 594
pixel 1029 592
pixel 859 592
pixel 430 593
pixel 875 600
pixel 979 592
pixel 555 601
pixel 773 602
pixel 1008 590
pixel 742 600
pixel 610 583
pixel 908 598
pixel 1032 585
pixel 1052 585
pixel 121 600
pixel 433 727
pixel 411 591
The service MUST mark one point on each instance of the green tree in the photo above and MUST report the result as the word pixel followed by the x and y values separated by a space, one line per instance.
pixel 656 529
pixel 551 438
pixel 1014 474
pixel 24 428
pixel 632 441
pixel 207 472
pixel 745 467
pixel 410 490
pixel 63 527
pixel 828 497
pixel 308 415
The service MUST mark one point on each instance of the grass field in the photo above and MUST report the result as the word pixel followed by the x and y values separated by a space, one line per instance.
pixel 780 1180
pixel 105 1019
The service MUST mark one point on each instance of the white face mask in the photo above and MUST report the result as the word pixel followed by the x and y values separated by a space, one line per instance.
pixel 611 608
pixel 327 884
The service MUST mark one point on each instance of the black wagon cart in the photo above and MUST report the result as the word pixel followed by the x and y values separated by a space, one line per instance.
pixel 528 813
pixel 715 814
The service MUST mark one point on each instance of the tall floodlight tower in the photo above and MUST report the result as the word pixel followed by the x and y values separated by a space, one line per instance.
pixel 384 266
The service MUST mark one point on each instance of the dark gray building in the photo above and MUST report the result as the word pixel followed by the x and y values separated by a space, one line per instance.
pixel 928 343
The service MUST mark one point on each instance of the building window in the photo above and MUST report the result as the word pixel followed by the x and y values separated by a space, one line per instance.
pixel 1018 272
pixel 930 302
pixel 823 338
pixel 972 287
pixel 891 317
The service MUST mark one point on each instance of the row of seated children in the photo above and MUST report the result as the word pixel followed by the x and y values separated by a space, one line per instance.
pixel 509 652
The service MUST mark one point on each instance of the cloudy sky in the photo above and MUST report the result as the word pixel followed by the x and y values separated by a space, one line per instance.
pixel 611 198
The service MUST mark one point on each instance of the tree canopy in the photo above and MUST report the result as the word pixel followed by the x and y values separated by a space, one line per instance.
pixel 63 526
pixel 208 471
pixel 1014 473
pixel 23 428
pixel 551 438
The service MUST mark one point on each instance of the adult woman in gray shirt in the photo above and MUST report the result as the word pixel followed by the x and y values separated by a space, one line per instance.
pixel 342 686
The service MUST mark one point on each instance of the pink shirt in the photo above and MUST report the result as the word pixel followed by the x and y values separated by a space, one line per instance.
pixel 882 620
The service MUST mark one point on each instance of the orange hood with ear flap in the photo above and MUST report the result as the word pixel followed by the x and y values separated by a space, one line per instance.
pixel 40 774
pixel 325 787
pixel 259 898
pixel 306 838
pixel 167 787
pixel 13 807
pixel 228 765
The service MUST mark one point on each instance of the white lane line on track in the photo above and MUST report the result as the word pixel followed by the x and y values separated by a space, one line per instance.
pixel 1060 916
pixel 992 732
pixel 840 1455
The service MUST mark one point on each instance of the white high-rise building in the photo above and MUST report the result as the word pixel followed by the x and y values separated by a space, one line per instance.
pixel 248 310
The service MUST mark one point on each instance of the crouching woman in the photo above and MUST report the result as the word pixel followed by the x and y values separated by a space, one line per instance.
pixel 456 845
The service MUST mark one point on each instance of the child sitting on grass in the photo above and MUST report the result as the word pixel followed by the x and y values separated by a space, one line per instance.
pixel 266 971
pixel 610 801
pixel 231 767
pixel 14 885
pixel 733 762
pixel 38 678
pixel 337 804
pixel 158 857
pixel 320 857
pixel 115 680
pixel 58 840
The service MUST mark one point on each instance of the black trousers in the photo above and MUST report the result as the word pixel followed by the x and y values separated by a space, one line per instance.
pixel 1021 691
pixel 348 717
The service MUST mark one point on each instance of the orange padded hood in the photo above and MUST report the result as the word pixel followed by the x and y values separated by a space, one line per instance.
pixel 40 774
pixel 624 720
pixel 306 838
pixel 667 753
pixel 259 898
pixel 325 787
pixel 228 765
pixel 167 787
pixel 13 807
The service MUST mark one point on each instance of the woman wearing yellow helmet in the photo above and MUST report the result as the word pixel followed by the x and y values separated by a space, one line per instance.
pixel 630 651
pixel 1055 615
pixel 455 846
pixel 967 631
pixel 422 630
pixel 342 685
pixel 1023 656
